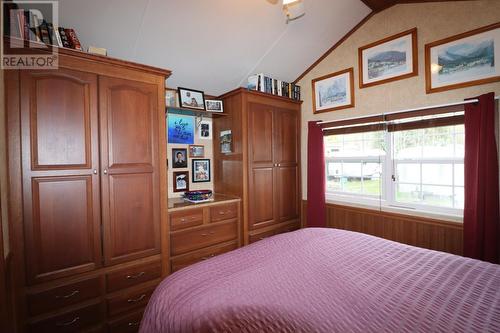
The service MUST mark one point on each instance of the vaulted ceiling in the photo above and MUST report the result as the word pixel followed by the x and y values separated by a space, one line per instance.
pixel 213 45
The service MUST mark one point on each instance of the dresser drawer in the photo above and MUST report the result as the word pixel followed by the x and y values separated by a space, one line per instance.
pixel 279 230
pixel 129 277
pixel 189 240
pixel 70 322
pixel 200 255
pixel 223 212
pixel 62 296
pixel 186 218
pixel 260 236
pixel 127 324
pixel 128 301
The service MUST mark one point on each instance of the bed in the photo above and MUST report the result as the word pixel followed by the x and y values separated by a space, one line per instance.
pixel 328 280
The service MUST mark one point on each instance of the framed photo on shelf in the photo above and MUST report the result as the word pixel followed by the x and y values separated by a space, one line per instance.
pixel 179 158
pixel 181 181
pixel 201 171
pixel 196 151
pixel 171 98
pixel 390 59
pixel 463 60
pixel 333 91
pixel 191 99
pixel 226 139
pixel 214 105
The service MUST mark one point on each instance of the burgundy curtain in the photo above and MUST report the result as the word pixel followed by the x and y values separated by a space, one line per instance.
pixel 481 207
pixel 316 207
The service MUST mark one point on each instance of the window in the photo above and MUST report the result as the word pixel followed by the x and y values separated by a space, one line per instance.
pixel 421 169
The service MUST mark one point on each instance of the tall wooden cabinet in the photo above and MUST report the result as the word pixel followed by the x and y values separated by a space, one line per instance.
pixel 87 154
pixel 264 165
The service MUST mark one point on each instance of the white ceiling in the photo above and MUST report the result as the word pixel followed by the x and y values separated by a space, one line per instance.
pixel 212 45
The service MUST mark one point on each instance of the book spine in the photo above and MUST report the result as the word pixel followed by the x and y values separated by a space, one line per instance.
pixel 44 31
pixel 64 37
pixel 75 42
pixel 57 36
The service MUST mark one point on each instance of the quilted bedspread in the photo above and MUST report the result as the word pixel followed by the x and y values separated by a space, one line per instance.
pixel 328 280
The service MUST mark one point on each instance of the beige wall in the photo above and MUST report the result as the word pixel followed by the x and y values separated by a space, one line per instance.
pixel 208 154
pixel 434 21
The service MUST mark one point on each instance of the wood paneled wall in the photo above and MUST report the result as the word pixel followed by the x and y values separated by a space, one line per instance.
pixel 413 230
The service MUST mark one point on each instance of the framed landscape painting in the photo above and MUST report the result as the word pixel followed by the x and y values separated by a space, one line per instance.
pixel 463 60
pixel 333 91
pixel 390 59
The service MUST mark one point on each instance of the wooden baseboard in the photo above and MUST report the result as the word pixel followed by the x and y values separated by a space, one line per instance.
pixel 418 231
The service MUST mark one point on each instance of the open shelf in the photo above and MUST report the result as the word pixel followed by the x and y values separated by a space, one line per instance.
pixel 191 112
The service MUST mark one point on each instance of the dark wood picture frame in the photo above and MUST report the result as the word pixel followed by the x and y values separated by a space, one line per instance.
pixel 193 170
pixel 414 72
pixel 183 151
pixel 177 174
pixel 428 74
pixel 350 71
pixel 202 107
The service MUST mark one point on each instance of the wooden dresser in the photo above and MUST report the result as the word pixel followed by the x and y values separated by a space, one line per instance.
pixel 88 203
pixel 263 167
pixel 202 231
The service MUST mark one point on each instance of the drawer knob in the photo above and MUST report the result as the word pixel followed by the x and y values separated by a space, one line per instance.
pixel 136 276
pixel 133 324
pixel 68 323
pixel 222 213
pixel 138 299
pixel 71 294
pixel 209 233
pixel 210 256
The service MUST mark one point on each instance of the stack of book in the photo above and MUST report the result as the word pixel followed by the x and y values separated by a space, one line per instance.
pixel 264 83
pixel 28 26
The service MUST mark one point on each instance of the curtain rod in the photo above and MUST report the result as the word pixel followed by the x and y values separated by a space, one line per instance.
pixel 409 110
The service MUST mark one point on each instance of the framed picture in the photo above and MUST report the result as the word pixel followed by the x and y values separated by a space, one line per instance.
pixel 463 60
pixel 213 105
pixel 191 99
pixel 201 171
pixel 333 91
pixel 205 130
pixel 179 158
pixel 181 181
pixel 226 139
pixel 171 97
pixel 196 151
pixel 180 129
pixel 390 59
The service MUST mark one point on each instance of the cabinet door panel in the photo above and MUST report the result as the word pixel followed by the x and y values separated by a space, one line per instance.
pixel 59 125
pixel 130 179
pixel 287 137
pixel 288 193
pixel 261 136
pixel 262 200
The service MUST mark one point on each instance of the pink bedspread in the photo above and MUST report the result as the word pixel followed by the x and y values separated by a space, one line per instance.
pixel 328 280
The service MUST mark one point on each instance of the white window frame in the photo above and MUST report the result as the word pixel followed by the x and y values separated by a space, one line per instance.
pixel 387 199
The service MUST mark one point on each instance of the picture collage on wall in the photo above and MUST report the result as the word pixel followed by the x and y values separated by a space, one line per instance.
pixel 467 59
pixel 181 133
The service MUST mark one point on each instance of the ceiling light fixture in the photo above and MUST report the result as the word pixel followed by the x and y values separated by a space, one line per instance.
pixel 294 9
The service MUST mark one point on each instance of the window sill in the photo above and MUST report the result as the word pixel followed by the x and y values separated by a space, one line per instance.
pixel 391 209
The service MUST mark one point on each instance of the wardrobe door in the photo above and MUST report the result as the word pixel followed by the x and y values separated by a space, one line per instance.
pixel 130 177
pixel 286 151
pixel 262 177
pixel 59 125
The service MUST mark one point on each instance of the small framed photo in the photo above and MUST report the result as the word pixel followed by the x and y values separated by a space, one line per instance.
pixel 214 105
pixel 181 181
pixel 191 99
pixel 390 59
pixel 179 158
pixel 463 60
pixel 201 171
pixel 196 151
pixel 226 139
pixel 333 91
pixel 205 130
pixel 171 99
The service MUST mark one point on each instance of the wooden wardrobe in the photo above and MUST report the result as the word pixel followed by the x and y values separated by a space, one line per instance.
pixel 88 203
pixel 263 167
